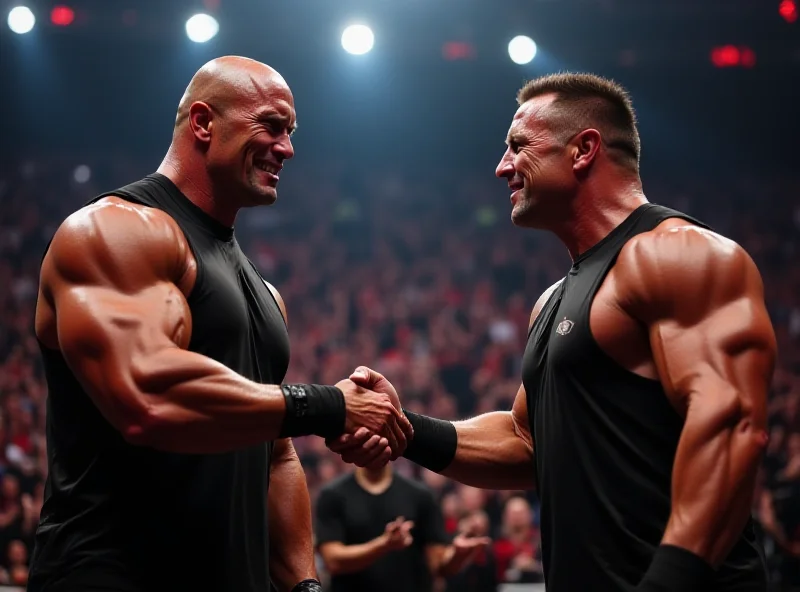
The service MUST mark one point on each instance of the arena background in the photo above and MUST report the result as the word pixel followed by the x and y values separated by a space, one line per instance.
pixel 391 241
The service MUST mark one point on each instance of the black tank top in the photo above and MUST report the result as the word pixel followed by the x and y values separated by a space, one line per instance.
pixel 604 442
pixel 126 518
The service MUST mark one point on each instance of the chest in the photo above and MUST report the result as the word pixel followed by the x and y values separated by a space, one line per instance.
pixel 584 330
pixel 235 318
pixel 366 515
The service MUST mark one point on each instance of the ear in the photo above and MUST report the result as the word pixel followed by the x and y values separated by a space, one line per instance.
pixel 586 145
pixel 200 121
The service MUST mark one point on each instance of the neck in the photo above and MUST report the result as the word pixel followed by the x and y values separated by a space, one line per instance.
pixel 193 181
pixel 595 212
pixel 374 480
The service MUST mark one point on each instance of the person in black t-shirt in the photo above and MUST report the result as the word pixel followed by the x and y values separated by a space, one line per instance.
pixel 377 530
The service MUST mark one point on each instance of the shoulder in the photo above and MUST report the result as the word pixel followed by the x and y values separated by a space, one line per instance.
pixel 278 299
pixel 336 486
pixel 540 303
pixel 111 235
pixel 680 262
pixel 412 487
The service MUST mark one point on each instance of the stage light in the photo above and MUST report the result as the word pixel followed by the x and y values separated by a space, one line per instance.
pixel 358 39
pixel 725 56
pixel 21 20
pixel 730 56
pixel 62 16
pixel 521 49
pixel 788 10
pixel 201 28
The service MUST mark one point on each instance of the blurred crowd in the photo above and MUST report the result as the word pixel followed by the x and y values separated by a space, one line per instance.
pixel 425 280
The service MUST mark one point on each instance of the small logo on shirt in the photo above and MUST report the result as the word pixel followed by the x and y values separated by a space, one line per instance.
pixel 564 326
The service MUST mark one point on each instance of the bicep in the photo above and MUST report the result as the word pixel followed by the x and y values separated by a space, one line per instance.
pixel 702 299
pixel 114 304
pixel 519 417
pixel 729 351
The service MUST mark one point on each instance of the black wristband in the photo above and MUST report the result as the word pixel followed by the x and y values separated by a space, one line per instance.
pixel 313 409
pixel 308 586
pixel 674 569
pixel 434 443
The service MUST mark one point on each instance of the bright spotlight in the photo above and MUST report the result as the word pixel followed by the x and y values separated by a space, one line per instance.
pixel 21 19
pixel 201 28
pixel 358 39
pixel 521 49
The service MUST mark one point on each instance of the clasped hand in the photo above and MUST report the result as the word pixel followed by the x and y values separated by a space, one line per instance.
pixel 376 430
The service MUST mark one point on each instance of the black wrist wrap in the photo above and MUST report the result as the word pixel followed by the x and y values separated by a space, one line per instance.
pixel 675 569
pixel 308 586
pixel 434 443
pixel 313 409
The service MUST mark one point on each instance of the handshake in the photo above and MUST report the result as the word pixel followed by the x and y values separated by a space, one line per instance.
pixel 376 430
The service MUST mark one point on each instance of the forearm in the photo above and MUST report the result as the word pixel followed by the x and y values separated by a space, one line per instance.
pixel 714 477
pixel 189 403
pixel 291 541
pixel 344 559
pixel 452 562
pixel 489 453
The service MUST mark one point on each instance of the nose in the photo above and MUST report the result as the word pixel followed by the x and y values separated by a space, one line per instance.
pixel 505 169
pixel 283 149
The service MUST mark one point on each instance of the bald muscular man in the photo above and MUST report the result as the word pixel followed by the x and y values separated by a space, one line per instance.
pixel 642 405
pixel 164 350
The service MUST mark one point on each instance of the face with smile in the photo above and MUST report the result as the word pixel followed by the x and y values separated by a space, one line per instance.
pixel 247 137
pixel 538 166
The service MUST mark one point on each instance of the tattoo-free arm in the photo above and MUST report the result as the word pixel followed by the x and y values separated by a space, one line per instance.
pixel 291 541
pixel 113 300
pixel 701 297
pixel 495 450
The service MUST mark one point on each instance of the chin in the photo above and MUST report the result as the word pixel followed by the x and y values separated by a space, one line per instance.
pixel 264 197
pixel 523 217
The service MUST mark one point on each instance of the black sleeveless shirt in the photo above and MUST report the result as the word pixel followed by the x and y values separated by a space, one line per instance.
pixel 604 442
pixel 134 519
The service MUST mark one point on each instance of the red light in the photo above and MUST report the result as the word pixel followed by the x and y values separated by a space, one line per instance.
pixel 729 56
pixel 457 50
pixel 62 16
pixel 788 10
pixel 747 57
pixel 725 56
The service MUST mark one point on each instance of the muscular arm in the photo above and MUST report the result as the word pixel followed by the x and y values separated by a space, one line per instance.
pixel 113 300
pixel 290 536
pixel 495 450
pixel 701 298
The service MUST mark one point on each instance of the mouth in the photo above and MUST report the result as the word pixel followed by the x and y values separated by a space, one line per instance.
pixel 516 186
pixel 270 169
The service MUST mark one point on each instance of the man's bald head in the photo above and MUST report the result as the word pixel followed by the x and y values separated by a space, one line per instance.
pixel 230 82
pixel 234 125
